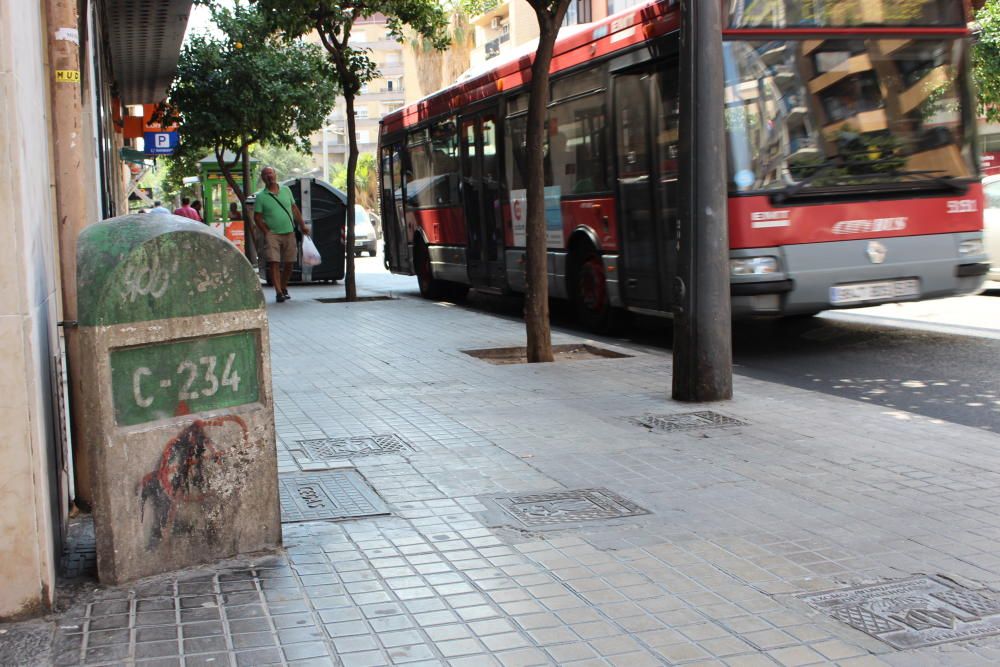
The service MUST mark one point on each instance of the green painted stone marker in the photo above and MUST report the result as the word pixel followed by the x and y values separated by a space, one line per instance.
pixel 179 416
pixel 175 379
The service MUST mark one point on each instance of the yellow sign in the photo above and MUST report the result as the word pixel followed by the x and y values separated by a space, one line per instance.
pixel 67 76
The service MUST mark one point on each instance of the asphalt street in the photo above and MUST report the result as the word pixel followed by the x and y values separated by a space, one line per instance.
pixel 939 359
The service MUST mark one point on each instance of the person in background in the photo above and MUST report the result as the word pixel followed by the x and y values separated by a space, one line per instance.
pixel 276 216
pixel 158 208
pixel 234 212
pixel 186 211
pixel 196 205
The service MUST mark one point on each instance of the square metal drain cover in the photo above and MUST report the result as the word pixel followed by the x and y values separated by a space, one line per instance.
pixel 337 494
pixel 912 613
pixel 685 421
pixel 339 449
pixel 546 509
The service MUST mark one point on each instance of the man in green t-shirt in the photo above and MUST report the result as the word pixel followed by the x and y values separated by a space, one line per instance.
pixel 275 213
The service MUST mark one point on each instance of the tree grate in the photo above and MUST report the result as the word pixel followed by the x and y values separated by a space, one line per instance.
pixel 913 613
pixel 547 509
pixel 360 299
pixel 312 454
pixel 685 421
pixel 332 495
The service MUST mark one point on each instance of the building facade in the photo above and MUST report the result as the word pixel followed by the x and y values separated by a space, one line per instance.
pixel 380 96
pixel 507 24
pixel 66 70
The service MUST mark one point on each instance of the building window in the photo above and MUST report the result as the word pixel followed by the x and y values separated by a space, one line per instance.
pixel 615 6
pixel 361 112
pixel 388 85
pixel 364 137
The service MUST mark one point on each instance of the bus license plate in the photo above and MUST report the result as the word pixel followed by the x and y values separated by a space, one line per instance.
pixel 841 295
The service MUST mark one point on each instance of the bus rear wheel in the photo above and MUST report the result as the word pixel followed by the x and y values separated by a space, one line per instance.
pixel 590 292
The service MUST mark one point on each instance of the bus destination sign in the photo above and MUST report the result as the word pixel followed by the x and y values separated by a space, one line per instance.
pixel 171 379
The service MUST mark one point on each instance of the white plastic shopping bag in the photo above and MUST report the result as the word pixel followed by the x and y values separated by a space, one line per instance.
pixel 310 255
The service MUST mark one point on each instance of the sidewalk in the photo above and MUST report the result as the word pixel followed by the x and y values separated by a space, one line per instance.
pixel 693 543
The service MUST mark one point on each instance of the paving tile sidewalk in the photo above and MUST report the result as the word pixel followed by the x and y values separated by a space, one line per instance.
pixel 715 531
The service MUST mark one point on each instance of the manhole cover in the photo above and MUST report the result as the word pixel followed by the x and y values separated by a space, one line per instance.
pixel 502 356
pixel 685 421
pixel 922 611
pixel 360 299
pixel 340 494
pixel 546 509
pixel 337 449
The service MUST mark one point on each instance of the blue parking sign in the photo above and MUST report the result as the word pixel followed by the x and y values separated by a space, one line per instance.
pixel 159 143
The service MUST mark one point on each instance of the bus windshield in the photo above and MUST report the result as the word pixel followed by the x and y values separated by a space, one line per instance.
pixel 827 113
pixel 844 13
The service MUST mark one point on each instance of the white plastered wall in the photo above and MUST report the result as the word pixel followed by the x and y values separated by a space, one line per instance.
pixel 28 314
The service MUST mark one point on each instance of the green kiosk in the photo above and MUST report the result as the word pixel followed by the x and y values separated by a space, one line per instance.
pixel 216 195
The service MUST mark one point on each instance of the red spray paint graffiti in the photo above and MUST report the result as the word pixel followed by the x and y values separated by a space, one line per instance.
pixel 180 476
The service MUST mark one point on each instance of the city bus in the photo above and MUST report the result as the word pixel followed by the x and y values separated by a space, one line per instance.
pixel 852 174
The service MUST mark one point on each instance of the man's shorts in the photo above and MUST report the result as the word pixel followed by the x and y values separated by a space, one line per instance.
pixel 281 248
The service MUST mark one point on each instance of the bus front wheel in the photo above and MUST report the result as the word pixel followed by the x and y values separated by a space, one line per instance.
pixel 430 288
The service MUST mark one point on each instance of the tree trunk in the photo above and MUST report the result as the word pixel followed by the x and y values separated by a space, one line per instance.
pixel 536 301
pixel 249 240
pixel 227 172
pixel 350 285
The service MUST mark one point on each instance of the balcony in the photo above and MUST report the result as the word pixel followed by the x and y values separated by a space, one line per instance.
pixel 383 95
pixel 390 69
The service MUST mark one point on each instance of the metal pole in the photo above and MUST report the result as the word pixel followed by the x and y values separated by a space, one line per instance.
pixel 703 355
pixel 71 204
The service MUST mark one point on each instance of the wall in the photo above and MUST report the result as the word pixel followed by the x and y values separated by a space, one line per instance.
pixel 28 315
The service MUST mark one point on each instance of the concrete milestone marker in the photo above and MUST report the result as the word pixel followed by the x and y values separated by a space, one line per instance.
pixel 178 412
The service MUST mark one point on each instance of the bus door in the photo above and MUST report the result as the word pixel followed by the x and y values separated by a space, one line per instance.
pixel 480 178
pixel 397 251
pixel 646 121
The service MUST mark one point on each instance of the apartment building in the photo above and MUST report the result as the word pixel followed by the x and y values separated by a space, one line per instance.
pixel 379 97
pixel 508 24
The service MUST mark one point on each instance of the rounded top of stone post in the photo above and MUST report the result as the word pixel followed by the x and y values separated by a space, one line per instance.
pixel 137 268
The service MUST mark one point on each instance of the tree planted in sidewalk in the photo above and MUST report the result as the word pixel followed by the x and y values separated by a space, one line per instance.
pixel 332 21
pixel 550 15
pixel 245 85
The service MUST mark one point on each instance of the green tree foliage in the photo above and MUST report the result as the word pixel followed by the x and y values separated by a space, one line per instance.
pixel 243 85
pixel 365 180
pixel 172 170
pixel 288 161
pixel 332 21
pixel 986 60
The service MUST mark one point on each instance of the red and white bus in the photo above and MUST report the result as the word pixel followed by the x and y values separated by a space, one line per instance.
pixel 852 175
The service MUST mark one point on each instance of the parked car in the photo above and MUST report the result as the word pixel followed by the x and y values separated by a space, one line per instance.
pixel 364 233
pixel 991 223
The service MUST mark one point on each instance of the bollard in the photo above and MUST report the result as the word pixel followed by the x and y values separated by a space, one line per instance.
pixel 176 375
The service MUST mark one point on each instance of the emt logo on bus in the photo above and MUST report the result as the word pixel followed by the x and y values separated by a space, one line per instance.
pixel 768 219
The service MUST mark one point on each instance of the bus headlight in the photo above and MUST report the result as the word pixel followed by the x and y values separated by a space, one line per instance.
pixel 971 247
pixel 753 266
